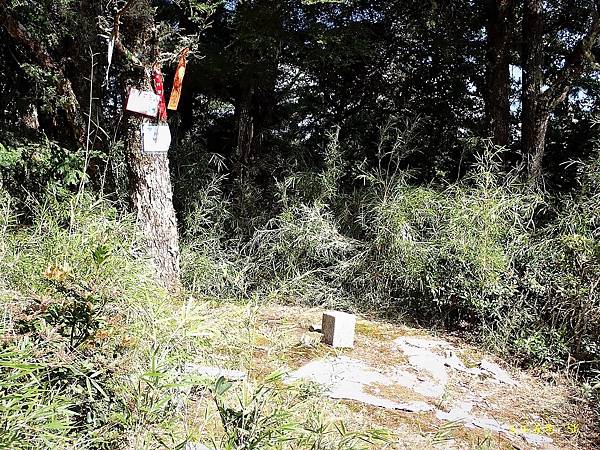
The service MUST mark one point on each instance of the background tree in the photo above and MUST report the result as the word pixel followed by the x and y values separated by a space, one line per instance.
pixel 499 26
pixel 542 94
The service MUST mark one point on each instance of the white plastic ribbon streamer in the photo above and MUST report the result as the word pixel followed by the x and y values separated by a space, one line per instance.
pixel 111 48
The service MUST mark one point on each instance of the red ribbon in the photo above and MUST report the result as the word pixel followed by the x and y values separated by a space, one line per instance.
pixel 160 91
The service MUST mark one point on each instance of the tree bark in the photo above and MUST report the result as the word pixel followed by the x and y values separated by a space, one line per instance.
pixel 152 201
pixel 149 176
pixel 497 98
pixel 533 126
pixel 245 132
pixel 537 105
pixel 243 149
pixel 537 136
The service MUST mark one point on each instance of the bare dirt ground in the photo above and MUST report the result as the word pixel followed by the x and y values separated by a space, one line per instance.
pixel 429 392
pixel 532 413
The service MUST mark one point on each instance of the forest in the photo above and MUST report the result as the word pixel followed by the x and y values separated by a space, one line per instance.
pixel 181 180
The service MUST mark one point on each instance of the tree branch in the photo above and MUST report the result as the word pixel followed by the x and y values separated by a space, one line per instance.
pixel 43 58
pixel 117 37
pixel 575 63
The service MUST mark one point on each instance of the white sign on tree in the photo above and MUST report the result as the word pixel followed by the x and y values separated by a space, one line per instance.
pixel 142 102
pixel 156 138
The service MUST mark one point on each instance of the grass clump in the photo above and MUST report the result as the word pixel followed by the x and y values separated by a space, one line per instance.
pixel 449 253
pixel 270 415
pixel 32 416
pixel 72 280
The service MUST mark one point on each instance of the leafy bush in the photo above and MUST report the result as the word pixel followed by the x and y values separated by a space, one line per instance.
pixel 211 264
pixel 562 272
pixel 33 167
pixel 449 252
pixel 70 279
pixel 303 253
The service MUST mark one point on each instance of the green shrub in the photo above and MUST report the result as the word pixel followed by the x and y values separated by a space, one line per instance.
pixel 33 414
pixel 32 167
pixel 301 253
pixel 215 272
pixel 71 280
pixel 449 252
pixel 562 271
pixel 211 264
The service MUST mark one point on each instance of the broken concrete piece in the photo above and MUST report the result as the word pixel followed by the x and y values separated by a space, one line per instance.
pixel 537 439
pixel 346 378
pixel 462 413
pixel 497 372
pixel 432 374
pixel 425 355
pixel 486 423
pixel 338 329
pixel 215 372
pixel 310 339
pixel 454 362
pixel 456 414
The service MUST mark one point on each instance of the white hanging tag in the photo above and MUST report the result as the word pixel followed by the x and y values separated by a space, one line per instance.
pixel 156 138
pixel 143 102
pixel 111 47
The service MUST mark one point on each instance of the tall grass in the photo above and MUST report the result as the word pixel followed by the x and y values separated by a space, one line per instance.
pixel 449 252
pixel 74 281
pixel 93 354
pixel 516 268
pixel 32 414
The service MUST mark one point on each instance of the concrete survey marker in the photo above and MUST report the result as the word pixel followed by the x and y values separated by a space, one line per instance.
pixel 338 329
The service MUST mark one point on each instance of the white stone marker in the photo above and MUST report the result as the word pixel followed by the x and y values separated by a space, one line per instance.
pixel 338 329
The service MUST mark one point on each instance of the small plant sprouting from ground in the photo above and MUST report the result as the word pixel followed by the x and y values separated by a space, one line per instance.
pixel 271 415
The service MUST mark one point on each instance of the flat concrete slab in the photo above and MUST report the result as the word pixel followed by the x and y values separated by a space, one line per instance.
pixel 430 365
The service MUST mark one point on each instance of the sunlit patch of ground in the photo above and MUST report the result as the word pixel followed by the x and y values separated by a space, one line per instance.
pixel 262 339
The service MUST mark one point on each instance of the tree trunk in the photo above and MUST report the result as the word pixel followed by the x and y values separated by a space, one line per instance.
pixel 243 149
pixel 152 202
pixel 149 177
pixel 537 105
pixel 534 116
pixel 245 133
pixel 537 135
pixel 497 98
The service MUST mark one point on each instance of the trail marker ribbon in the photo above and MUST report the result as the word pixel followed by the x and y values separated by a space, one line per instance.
pixel 159 88
pixel 177 82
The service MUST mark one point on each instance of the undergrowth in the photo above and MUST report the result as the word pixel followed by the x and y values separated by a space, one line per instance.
pixel 514 267
pixel 95 355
